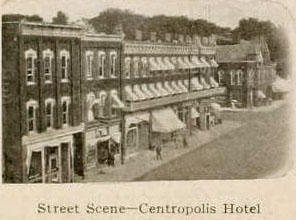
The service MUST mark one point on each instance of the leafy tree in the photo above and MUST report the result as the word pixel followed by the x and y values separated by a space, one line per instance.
pixel 61 18
pixel 19 17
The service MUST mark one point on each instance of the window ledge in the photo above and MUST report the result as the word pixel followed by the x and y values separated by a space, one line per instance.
pixel 89 78
pixel 47 81
pixel 31 83
pixel 64 80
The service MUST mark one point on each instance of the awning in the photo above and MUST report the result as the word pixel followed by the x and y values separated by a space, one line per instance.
pixel 203 60
pixel 189 64
pixel 169 88
pixel 182 64
pixel 136 118
pixel 194 113
pixel 195 85
pixel 165 121
pixel 261 95
pixel 153 89
pixel 281 85
pixel 117 103
pixel 116 137
pixel 213 63
pixel 130 95
pixel 161 64
pixel 170 65
pixel 153 65
pixel 161 89
pixel 176 87
pixel 139 93
pixel 197 62
pixel 213 82
pixel 204 83
pixel 182 86
pixel 147 92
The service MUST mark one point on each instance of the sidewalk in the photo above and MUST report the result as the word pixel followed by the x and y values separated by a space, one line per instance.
pixel 274 105
pixel 145 161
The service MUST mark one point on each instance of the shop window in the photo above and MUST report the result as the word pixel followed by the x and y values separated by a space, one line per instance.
pixel 65 111
pixel 113 60
pixel 31 66
pixel 65 64
pixel 49 104
pixel 89 64
pixel 127 67
pixel 102 64
pixel 31 116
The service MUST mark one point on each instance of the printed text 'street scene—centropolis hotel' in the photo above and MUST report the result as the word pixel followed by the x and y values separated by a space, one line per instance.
pixel 124 96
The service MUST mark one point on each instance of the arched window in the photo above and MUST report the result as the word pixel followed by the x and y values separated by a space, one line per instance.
pixel 136 66
pixel 113 61
pixel 47 65
pixel 31 66
pixel 221 77
pixel 102 98
pixel 102 64
pixel 31 106
pixel 239 77
pixel 49 108
pixel 65 64
pixel 65 110
pixel 232 76
pixel 89 64
pixel 127 67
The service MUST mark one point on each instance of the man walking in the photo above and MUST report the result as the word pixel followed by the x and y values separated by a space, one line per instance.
pixel 158 152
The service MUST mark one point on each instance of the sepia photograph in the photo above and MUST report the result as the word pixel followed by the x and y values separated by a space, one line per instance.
pixel 137 91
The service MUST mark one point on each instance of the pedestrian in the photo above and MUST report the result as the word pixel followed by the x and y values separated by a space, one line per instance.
pixel 158 152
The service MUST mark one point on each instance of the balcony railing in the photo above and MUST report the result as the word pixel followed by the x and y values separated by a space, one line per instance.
pixel 153 103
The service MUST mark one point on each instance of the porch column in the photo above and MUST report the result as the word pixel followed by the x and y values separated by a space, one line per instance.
pixel 43 164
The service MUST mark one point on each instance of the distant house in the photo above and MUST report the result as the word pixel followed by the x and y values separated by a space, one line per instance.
pixel 247 72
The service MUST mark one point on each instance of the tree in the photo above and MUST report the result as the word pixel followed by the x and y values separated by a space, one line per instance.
pixel 20 17
pixel 61 18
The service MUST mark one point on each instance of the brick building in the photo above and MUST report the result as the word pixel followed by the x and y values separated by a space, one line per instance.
pixel 247 72
pixel 168 88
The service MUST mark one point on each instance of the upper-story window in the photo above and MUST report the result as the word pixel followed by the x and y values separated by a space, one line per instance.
pixel 113 61
pixel 65 110
pixel 31 66
pixel 127 67
pixel 136 66
pixel 102 64
pixel 47 65
pixel 32 106
pixel 144 67
pixel 49 105
pixel 232 76
pixel 239 77
pixel 89 64
pixel 221 77
pixel 102 97
pixel 65 64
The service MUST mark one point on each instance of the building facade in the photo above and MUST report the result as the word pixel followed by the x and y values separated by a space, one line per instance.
pixel 247 72
pixel 168 89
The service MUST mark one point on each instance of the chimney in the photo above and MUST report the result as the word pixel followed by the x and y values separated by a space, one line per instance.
pixel 168 37
pixel 181 38
pixel 139 35
pixel 153 36
pixel 119 30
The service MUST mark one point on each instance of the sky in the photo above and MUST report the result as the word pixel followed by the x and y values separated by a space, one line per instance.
pixel 225 13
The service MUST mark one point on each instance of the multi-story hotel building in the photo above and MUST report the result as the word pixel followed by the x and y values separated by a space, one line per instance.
pixel 166 87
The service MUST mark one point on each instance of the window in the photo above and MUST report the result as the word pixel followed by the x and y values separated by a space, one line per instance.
pixel 102 64
pixel 221 77
pixel 49 103
pixel 102 97
pixel 65 64
pixel 31 66
pixel 47 65
pixel 136 67
pixel 127 67
pixel 232 81
pixel 65 111
pixel 31 115
pixel 113 58
pixel 89 64
pixel 239 77
pixel 144 67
